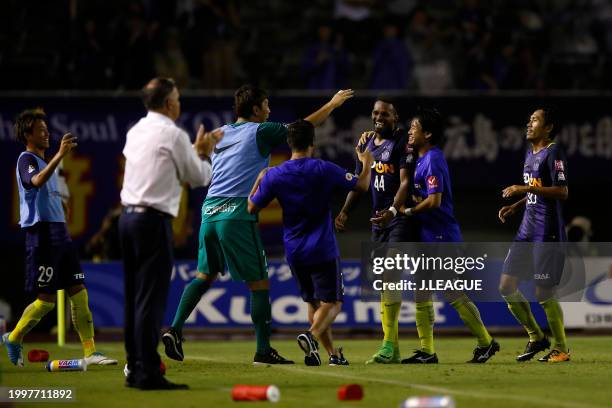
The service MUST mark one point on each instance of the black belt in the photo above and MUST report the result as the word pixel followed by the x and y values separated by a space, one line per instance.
pixel 141 209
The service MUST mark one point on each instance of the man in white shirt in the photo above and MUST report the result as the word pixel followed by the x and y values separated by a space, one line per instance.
pixel 159 158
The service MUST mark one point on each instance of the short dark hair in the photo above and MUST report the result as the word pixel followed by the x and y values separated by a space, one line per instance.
pixel 24 124
pixel 389 100
pixel 246 98
pixel 550 118
pixel 300 135
pixel 156 91
pixel 431 122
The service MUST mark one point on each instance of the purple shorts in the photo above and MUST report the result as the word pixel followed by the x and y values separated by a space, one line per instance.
pixel 542 262
pixel 322 281
pixel 52 267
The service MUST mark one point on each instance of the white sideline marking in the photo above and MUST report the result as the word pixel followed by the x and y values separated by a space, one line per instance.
pixel 424 387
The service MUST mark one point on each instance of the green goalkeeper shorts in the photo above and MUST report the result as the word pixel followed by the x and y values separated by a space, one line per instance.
pixel 235 244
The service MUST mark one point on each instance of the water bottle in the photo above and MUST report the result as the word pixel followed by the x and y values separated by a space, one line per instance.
pixel 440 401
pixel 67 365
pixel 244 392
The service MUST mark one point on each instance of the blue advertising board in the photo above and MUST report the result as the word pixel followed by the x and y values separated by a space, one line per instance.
pixel 226 304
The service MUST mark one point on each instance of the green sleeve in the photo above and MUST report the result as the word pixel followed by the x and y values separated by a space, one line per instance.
pixel 269 136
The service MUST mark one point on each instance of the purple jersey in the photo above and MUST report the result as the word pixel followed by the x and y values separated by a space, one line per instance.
pixel 431 176
pixel 304 189
pixel 543 218
pixel 389 158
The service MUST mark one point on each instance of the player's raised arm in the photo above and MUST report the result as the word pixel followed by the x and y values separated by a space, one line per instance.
pixel 352 198
pixel 67 145
pixel 336 101
pixel 366 159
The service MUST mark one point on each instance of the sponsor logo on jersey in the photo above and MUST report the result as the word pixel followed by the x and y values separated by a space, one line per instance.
pixel 561 176
pixel 432 182
pixel 383 168
pixel 532 181
pixel 559 165
pixel 349 176
pixel 31 169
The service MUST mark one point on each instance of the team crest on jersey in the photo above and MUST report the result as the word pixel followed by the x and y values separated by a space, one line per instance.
pixel 559 165
pixel 385 155
pixel 432 182
pixel 561 176
pixel 31 169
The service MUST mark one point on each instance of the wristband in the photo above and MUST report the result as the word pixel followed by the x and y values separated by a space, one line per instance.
pixel 393 210
pixel 408 211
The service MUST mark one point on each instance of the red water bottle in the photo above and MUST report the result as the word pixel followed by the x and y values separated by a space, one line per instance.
pixel 350 392
pixel 245 392
pixel 36 355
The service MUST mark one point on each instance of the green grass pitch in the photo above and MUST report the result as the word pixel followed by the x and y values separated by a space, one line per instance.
pixel 212 368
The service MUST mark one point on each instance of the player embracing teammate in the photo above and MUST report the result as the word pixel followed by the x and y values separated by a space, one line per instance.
pixel 415 205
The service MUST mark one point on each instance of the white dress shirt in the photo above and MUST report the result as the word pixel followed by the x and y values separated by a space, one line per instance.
pixel 159 157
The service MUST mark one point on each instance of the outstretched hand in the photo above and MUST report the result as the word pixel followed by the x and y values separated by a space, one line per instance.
pixel 514 190
pixel 206 141
pixel 382 218
pixel 340 97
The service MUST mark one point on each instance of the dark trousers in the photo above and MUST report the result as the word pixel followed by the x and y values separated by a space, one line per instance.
pixel 146 241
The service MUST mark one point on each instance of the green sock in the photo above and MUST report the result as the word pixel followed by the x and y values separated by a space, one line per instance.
pixel 468 312
pixel 554 315
pixel 190 298
pixel 261 314
pixel 390 317
pixel 424 324
pixel 520 309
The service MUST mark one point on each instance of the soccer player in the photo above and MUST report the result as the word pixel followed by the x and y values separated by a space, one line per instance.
pixel 229 234
pixel 387 144
pixel 52 262
pixel 304 188
pixel 545 178
pixel 434 208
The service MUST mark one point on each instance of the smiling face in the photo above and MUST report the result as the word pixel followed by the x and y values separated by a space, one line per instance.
pixel 39 138
pixel 416 136
pixel 384 117
pixel 537 129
